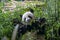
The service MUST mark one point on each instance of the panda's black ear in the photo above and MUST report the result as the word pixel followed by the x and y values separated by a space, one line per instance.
pixel 21 16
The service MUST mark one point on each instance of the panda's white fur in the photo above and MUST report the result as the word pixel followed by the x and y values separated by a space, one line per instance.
pixel 26 18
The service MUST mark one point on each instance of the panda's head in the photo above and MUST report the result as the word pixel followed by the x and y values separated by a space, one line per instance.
pixel 28 19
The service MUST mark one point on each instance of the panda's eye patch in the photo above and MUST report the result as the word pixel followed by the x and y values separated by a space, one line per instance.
pixel 30 17
pixel 24 19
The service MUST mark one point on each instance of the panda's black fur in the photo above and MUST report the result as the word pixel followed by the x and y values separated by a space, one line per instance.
pixel 59 31
pixel 34 26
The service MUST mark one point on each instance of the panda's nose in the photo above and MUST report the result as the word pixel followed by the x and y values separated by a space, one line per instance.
pixel 28 20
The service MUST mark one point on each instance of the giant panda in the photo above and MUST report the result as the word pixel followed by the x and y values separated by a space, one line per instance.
pixel 35 25
pixel 28 16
